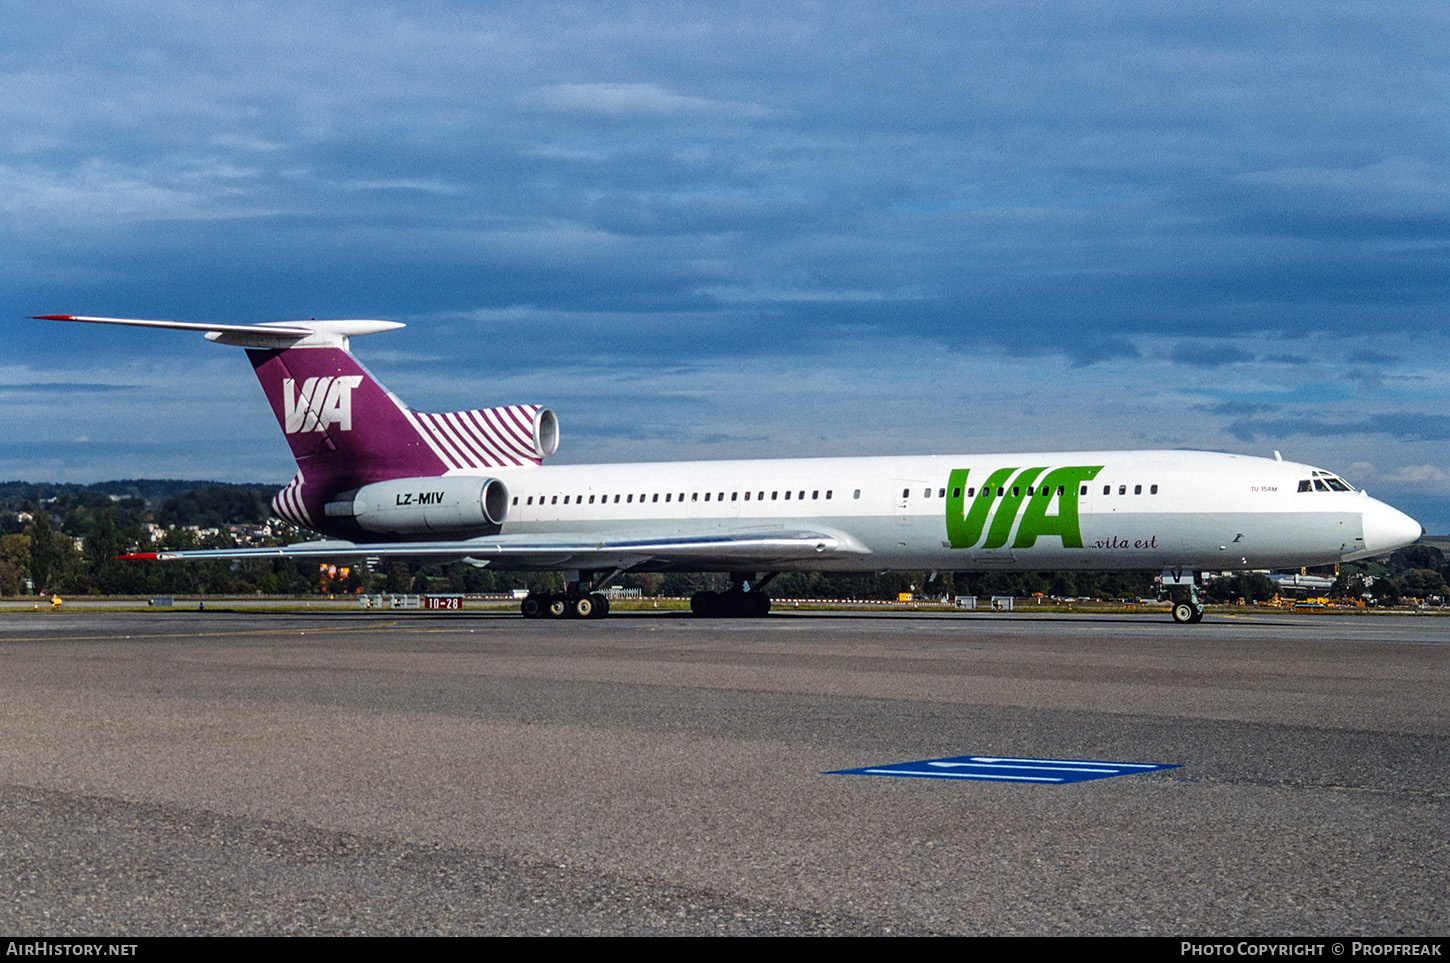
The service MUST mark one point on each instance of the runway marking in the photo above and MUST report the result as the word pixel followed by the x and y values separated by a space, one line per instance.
pixel 991 769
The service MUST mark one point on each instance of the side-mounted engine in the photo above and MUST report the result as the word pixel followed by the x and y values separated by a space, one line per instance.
pixel 460 506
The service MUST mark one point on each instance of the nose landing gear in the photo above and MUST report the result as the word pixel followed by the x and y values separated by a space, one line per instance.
pixel 1188 612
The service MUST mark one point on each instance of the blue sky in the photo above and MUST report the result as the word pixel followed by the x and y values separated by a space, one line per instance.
pixel 739 230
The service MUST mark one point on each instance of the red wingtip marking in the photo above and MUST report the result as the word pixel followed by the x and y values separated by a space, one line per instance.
pixel 139 556
pixel 53 317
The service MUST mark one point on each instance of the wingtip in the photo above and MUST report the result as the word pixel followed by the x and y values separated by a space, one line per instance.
pixel 52 317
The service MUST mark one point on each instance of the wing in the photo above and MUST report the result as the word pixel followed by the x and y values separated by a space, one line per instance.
pixel 747 549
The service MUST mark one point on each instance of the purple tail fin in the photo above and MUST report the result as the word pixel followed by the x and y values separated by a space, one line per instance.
pixel 346 430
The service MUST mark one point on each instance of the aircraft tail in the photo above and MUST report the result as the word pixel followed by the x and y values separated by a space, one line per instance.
pixel 346 430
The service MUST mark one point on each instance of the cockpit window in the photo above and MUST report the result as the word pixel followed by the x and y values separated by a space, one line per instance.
pixel 1323 481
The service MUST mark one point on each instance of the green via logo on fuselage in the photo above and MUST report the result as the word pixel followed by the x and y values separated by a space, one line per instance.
pixel 1002 497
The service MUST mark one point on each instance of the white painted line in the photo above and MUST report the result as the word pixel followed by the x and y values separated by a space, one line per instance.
pixel 987 777
pixel 1009 765
pixel 1066 762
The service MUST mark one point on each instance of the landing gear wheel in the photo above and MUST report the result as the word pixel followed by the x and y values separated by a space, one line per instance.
pixel 532 606
pixel 582 607
pixel 557 607
pixel 705 604
pixel 1185 613
pixel 601 605
pixel 1197 615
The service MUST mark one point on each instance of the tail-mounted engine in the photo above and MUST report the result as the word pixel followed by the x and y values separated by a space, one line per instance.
pixel 460 506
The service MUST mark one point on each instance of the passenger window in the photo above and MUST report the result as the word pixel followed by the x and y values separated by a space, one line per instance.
pixel 787 496
pixel 1001 491
pixel 956 493
pixel 906 493
pixel 591 499
pixel 1137 489
pixel 926 493
pixel 656 497
pixel 707 496
pixel 1152 489
pixel 747 496
pixel 772 495
pixel 1107 489
pixel 667 496
pixel 1082 490
pixel 733 495
pixel 1060 490
pixel 801 497
pixel 530 501
pixel 555 500
pixel 815 494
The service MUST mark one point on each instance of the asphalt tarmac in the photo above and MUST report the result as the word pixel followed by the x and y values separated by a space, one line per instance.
pixel 405 773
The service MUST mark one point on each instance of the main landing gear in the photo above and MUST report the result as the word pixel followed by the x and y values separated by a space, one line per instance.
pixel 744 599
pixel 577 601
pixel 741 600
pixel 562 605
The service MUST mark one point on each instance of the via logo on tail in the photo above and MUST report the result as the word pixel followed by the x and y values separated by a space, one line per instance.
pixel 1011 492
pixel 322 403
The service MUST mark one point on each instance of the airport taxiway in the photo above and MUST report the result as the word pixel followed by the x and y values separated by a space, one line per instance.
pixel 215 772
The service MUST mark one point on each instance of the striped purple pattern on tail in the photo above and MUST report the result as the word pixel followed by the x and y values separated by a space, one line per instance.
pixel 483 438
pixel 287 504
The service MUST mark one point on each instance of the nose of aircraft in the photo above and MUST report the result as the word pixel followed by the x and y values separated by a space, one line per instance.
pixel 1386 528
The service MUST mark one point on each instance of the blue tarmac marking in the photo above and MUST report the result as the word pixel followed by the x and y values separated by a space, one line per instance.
pixel 1005 769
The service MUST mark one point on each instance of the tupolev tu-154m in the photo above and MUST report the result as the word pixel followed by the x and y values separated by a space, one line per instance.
pixel 381 480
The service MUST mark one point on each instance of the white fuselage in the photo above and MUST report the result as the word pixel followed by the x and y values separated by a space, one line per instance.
pixel 1125 510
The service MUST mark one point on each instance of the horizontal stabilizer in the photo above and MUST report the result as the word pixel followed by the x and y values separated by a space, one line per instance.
pixel 279 334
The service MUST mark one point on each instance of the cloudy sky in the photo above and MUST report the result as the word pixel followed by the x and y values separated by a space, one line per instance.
pixel 738 230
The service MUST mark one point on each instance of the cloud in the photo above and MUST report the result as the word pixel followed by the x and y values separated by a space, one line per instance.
pixel 1208 355
pixel 639 101
pixel 962 226
pixel 63 388
pixel 1405 426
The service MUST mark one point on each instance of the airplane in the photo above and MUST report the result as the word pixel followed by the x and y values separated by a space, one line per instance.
pixel 382 480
